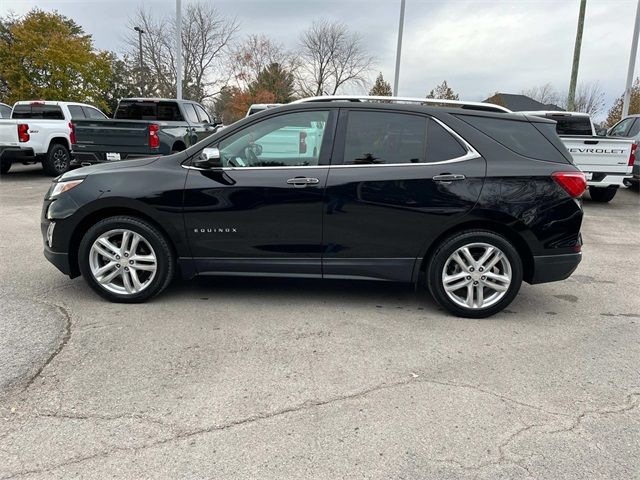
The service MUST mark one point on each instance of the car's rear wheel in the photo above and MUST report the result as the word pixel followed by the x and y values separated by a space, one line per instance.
pixel 602 194
pixel 126 259
pixel 475 274
pixel 57 160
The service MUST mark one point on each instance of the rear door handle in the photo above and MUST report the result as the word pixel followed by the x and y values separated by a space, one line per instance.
pixel 300 182
pixel 449 177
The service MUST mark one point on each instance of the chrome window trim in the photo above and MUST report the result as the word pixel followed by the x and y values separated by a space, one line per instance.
pixel 471 154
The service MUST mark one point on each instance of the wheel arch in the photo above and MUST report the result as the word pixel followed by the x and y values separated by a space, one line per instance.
pixel 178 146
pixel 510 234
pixel 101 213
pixel 59 141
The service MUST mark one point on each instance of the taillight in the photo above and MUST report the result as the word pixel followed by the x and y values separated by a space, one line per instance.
pixel 23 132
pixel 302 145
pixel 72 133
pixel 575 183
pixel 632 155
pixel 154 140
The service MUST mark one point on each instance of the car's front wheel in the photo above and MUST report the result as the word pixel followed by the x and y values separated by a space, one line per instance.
pixel 126 259
pixel 475 274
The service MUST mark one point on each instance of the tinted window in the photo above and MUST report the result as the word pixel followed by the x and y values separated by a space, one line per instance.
pixel 166 111
pixel 190 112
pixel 382 137
pixel 441 145
pixel 93 113
pixel 635 129
pixel 620 129
pixel 293 139
pixel 204 116
pixel 46 112
pixel 5 111
pixel 76 112
pixel 572 125
pixel 521 137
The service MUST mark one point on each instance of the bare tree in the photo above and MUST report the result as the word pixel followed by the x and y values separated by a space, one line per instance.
pixel 589 98
pixel 252 56
pixel 331 57
pixel 543 93
pixel 206 36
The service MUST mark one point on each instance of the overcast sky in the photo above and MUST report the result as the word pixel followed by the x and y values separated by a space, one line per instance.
pixel 478 46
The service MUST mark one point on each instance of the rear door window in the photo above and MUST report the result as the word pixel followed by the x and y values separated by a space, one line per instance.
pixel 76 112
pixel 441 145
pixel 374 138
pixel 39 111
pixel 93 113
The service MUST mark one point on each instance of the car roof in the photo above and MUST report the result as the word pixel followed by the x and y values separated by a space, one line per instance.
pixel 402 107
pixel 154 99
pixel 559 113
pixel 51 102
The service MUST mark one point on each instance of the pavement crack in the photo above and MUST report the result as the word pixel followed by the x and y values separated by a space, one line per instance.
pixel 63 343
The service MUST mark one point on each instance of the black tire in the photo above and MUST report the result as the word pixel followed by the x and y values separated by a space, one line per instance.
pixel 57 160
pixel 5 166
pixel 602 194
pixel 448 247
pixel 165 259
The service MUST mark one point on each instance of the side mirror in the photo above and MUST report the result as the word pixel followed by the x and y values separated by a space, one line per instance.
pixel 209 158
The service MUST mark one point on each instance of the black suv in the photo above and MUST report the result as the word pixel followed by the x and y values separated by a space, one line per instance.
pixel 473 201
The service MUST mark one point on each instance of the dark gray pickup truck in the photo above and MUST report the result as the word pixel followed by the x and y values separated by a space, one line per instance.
pixel 141 127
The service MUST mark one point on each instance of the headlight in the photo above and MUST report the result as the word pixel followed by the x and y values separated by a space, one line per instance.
pixel 62 187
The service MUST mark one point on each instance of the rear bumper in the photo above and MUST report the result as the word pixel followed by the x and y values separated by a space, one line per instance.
pixel 552 268
pixel 607 179
pixel 80 158
pixel 17 154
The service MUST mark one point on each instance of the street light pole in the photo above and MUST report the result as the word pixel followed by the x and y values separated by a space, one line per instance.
pixel 179 49
pixel 632 64
pixel 140 32
pixel 571 100
pixel 399 49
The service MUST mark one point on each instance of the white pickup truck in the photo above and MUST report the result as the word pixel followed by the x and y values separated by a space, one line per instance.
pixel 606 161
pixel 44 134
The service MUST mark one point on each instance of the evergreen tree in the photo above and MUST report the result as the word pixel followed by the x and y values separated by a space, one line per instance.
pixel 381 88
pixel 443 91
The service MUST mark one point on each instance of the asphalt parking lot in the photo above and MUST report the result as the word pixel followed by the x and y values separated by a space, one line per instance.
pixel 264 378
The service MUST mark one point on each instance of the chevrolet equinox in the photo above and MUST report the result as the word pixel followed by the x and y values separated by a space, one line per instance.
pixel 471 201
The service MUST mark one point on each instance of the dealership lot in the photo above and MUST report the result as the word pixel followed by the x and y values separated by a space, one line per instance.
pixel 264 378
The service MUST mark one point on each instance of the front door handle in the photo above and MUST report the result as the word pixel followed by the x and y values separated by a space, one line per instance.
pixel 449 177
pixel 300 182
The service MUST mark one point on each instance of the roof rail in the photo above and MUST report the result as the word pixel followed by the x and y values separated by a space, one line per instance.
pixel 487 107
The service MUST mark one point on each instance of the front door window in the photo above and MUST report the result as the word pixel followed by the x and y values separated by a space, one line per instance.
pixel 288 140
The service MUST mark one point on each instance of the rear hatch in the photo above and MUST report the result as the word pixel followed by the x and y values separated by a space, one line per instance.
pixel 599 154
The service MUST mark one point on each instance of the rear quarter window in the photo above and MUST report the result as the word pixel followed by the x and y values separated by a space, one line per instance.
pixel 522 137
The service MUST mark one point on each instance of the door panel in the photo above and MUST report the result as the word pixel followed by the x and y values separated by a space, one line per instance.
pixel 258 219
pixel 379 217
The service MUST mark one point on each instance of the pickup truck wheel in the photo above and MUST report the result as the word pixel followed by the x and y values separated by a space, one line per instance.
pixel 57 160
pixel 5 166
pixel 126 259
pixel 475 274
pixel 602 194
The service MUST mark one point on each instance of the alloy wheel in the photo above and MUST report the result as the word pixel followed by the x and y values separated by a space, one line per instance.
pixel 122 261
pixel 476 275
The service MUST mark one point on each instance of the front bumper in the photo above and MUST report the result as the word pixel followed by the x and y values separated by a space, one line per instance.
pixel 552 268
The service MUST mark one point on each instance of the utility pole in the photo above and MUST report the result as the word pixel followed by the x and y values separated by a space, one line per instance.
pixel 399 50
pixel 571 100
pixel 632 64
pixel 140 33
pixel 179 49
